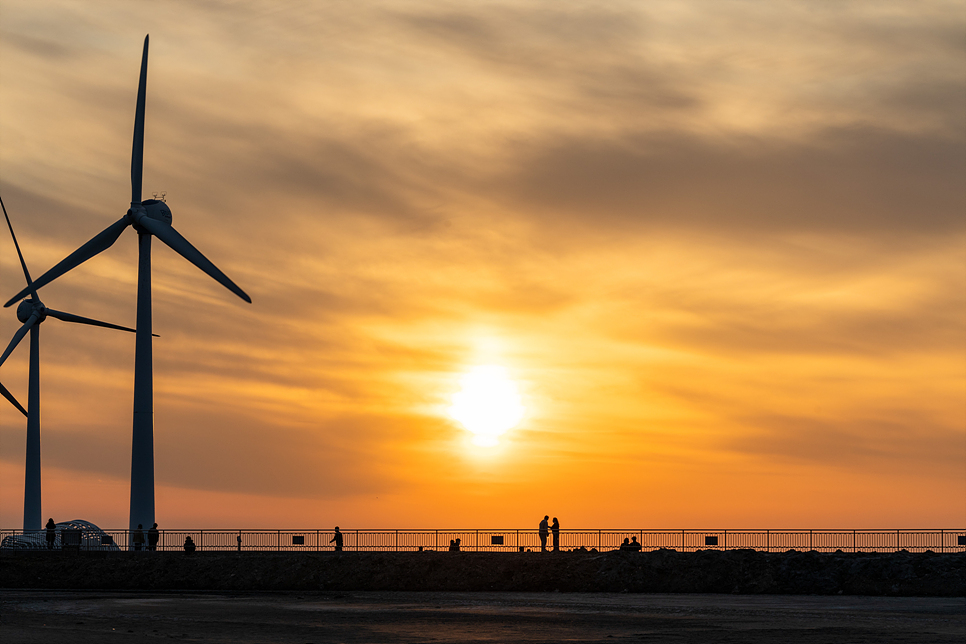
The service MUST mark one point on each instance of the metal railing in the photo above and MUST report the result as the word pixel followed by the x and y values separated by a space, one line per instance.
pixel 512 540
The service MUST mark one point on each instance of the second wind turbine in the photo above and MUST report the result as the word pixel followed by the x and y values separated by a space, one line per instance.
pixel 150 218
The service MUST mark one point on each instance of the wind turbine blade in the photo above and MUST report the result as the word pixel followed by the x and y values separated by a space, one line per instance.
pixel 18 336
pixel 101 242
pixel 183 247
pixel 70 317
pixel 137 153
pixel 9 396
pixel 23 264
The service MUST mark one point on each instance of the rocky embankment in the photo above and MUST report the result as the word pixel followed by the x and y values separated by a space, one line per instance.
pixel 663 571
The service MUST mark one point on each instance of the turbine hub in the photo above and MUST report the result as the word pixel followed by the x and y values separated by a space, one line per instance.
pixel 157 209
pixel 153 208
pixel 28 307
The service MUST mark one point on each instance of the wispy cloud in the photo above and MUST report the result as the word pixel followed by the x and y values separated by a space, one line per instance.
pixel 706 238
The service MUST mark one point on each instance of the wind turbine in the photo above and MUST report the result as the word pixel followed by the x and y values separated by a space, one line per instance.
pixel 150 218
pixel 32 313
pixel 13 401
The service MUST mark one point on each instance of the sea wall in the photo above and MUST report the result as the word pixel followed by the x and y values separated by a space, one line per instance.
pixel 662 571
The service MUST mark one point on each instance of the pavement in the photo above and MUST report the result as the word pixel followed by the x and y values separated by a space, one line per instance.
pixel 74 616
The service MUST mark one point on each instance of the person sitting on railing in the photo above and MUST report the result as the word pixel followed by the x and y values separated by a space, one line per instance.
pixel 189 544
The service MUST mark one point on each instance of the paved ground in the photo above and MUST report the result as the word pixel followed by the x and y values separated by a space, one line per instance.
pixel 352 617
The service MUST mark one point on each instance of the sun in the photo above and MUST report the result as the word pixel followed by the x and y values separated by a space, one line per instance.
pixel 488 404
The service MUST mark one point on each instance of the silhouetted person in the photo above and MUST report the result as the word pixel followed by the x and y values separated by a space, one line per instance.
pixel 626 545
pixel 51 533
pixel 555 529
pixel 153 537
pixel 189 544
pixel 338 540
pixel 544 533
pixel 452 545
pixel 238 538
pixel 633 545
pixel 456 545
pixel 137 538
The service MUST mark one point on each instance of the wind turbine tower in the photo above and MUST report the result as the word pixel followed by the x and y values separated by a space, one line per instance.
pixel 150 218
pixel 32 313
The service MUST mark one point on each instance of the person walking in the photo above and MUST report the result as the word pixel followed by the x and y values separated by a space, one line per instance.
pixel 555 529
pixel 51 533
pixel 544 533
pixel 338 540
pixel 153 537
pixel 137 538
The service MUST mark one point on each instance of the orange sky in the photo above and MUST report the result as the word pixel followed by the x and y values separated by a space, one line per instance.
pixel 719 247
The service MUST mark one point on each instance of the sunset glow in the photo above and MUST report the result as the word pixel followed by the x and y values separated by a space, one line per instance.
pixel 656 264
pixel 488 404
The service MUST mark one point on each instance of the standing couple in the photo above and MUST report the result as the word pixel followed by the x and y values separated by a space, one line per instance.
pixel 545 531
pixel 137 537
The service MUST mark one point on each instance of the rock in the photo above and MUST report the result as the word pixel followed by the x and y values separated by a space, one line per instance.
pixel 659 571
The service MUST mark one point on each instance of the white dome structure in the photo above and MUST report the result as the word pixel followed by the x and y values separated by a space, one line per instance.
pixel 80 535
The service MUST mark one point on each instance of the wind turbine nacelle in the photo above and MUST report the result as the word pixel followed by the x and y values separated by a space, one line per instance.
pixel 157 209
pixel 27 308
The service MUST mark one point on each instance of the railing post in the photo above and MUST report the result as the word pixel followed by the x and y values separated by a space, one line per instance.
pixel 897 541
pixel 436 547
pixel 599 547
pixel 853 541
pixel 942 540
pixel 809 539
pixel 518 539
pixel 318 545
pixel 684 543
pixel 767 540
pixel 726 540
pixel 397 540
pixel 357 540
pixel 202 539
pixel 477 539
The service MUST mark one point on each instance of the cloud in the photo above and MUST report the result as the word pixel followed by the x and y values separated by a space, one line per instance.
pixel 202 447
pixel 39 46
pixel 699 233
pixel 865 181
pixel 905 441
